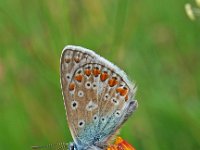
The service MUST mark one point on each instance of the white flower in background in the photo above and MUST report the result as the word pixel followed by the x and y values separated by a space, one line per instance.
pixel 198 2
pixel 192 12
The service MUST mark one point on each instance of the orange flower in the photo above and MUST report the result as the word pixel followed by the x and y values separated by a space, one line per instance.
pixel 120 144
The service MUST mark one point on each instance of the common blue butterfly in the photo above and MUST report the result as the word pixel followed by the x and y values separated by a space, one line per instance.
pixel 98 99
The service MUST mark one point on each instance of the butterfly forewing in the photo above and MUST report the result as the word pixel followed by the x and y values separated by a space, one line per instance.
pixel 71 59
pixel 97 95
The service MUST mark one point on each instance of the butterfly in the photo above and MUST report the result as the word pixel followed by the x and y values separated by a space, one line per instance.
pixel 98 99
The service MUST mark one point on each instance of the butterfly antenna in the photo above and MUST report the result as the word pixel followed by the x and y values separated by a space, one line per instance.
pixel 192 12
pixel 60 145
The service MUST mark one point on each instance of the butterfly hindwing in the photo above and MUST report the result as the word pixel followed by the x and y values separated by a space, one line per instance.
pixel 109 98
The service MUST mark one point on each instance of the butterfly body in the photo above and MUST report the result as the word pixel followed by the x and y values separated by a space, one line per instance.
pixel 98 97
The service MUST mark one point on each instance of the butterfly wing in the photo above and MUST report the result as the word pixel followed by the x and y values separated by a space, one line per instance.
pixel 71 59
pixel 108 102
pixel 98 96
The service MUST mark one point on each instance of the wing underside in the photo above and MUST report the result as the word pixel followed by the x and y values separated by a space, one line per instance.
pixel 98 97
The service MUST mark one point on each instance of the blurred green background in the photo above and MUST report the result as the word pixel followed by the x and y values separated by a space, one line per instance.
pixel 153 41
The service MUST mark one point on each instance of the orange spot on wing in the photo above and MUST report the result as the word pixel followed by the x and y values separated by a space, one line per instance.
pixel 112 82
pixel 104 76
pixel 88 72
pixel 79 78
pixel 118 89
pixel 96 72
pixel 122 91
pixel 71 86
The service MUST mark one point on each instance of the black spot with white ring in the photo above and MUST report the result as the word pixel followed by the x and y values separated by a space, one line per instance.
pixel 88 85
pixel 114 101
pixel 81 123
pixel 117 113
pixel 74 105
pixel 80 93
pixel 103 119
pixel 94 85
pixel 68 76
pixel 95 117
pixel 106 97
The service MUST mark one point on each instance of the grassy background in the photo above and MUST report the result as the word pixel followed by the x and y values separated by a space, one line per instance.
pixel 153 41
